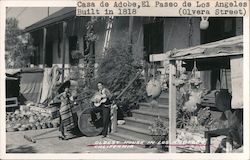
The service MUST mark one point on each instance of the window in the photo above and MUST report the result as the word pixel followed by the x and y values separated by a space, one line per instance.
pixel 72 46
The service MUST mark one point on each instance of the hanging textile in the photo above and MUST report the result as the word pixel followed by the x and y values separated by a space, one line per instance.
pixel 45 85
pixel 236 64
pixel 51 77
pixel 30 84
pixel 206 79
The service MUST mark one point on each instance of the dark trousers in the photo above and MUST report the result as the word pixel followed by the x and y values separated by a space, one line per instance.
pixel 105 111
pixel 95 110
pixel 106 120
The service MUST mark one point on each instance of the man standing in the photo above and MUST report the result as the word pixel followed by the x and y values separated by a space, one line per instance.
pixel 102 104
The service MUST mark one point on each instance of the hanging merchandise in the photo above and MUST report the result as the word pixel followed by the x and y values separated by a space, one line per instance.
pixel 153 87
pixel 204 23
pixel 223 97
pixel 195 91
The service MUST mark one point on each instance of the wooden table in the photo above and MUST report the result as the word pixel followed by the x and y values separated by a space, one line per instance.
pixel 214 133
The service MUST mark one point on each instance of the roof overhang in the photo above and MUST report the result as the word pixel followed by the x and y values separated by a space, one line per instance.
pixel 57 17
pixel 223 48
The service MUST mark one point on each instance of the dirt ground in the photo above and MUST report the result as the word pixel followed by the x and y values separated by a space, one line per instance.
pixel 49 143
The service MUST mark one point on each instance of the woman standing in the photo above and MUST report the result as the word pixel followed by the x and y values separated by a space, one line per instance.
pixel 66 116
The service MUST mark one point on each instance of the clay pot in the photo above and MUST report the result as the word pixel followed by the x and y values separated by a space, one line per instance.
pixel 31 119
pixel 153 88
pixel 18 125
pixel 55 124
pixel 204 24
pixel 34 127
pixel 13 119
pixel 44 126
pixel 38 126
pixel 49 125
pixel 17 112
pixel 22 129
pixel 29 127
pixel 11 129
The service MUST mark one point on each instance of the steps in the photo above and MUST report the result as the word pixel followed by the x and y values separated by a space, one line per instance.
pixel 136 122
pixel 137 133
pixel 136 127
pixel 140 114
pixel 163 99
pixel 123 137
pixel 147 107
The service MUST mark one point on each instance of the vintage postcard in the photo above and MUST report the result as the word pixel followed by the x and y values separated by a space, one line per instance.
pixel 97 79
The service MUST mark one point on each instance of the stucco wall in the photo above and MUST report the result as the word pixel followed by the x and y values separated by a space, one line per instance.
pixel 179 31
pixel 119 31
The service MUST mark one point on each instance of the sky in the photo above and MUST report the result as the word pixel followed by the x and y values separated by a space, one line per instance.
pixel 29 15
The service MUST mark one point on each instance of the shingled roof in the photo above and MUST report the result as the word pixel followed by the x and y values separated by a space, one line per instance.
pixel 61 15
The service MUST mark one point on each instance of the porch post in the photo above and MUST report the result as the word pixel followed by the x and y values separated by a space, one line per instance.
pixel 130 30
pixel 172 108
pixel 44 46
pixel 63 49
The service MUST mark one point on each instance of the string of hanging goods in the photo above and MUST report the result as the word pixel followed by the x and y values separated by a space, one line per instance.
pixel 194 70
pixel 153 87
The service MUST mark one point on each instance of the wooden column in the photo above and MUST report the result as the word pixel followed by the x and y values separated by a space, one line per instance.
pixel 114 120
pixel 81 43
pixel 130 30
pixel 172 108
pixel 44 46
pixel 63 48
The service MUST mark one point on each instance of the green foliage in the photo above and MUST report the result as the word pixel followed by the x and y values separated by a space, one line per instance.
pixel 183 94
pixel 118 68
pixel 185 84
pixel 18 46
pixel 159 129
pixel 91 36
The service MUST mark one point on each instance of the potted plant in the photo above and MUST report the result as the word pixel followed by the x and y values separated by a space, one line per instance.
pixel 159 133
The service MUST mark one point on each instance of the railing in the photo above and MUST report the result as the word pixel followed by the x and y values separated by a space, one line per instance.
pixel 114 107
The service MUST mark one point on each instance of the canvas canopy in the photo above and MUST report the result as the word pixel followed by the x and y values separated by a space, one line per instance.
pixel 30 83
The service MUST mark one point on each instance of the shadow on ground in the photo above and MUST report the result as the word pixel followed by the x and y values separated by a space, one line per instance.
pixel 20 149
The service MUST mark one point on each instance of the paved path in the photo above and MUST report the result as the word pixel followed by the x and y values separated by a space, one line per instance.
pixel 49 143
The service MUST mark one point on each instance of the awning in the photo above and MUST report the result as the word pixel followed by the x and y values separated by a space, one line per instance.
pixel 227 47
